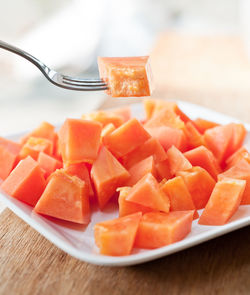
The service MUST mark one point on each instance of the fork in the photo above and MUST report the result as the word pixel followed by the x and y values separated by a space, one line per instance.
pixel 56 78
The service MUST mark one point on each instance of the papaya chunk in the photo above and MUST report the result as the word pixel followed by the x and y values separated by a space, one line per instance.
pixel 157 229
pixel 107 174
pixel 241 153
pixel 202 125
pixel 116 237
pixel 194 137
pixel 177 161
pixel 163 170
pixel 11 146
pixel 104 117
pixel 35 145
pixel 126 138
pixel 147 192
pixel 200 185
pixel 26 182
pixel 48 163
pixel 224 201
pixel 126 76
pixel 107 130
pixel 65 197
pixel 79 140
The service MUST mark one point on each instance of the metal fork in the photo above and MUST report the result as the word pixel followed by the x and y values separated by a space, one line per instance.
pixel 56 78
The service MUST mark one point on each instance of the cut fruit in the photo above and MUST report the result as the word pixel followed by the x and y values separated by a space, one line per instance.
pixel 116 237
pixel 147 192
pixel 65 197
pixel 163 170
pixel 104 117
pixel 48 163
pixel 35 145
pixel 202 125
pixel 224 201
pixel 127 207
pixel 79 140
pixel 26 182
pixel 179 196
pixel 126 138
pixel 7 162
pixel 177 161
pixel 126 76
pixel 107 130
pixel 158 229
pixel 200 185
pixel 194 137
pixel 203 157
pixel 107 174
pixel 241 153
pixel 241 170
pixel 11 146
pixel 151 147
pixel 140 169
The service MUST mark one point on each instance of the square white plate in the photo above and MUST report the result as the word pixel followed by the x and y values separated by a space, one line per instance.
pixel 79 241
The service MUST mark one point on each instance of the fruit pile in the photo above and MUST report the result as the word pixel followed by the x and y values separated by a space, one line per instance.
pixel 160 171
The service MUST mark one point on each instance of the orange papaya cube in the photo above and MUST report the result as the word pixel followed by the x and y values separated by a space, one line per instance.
pixel 11 146
pixel 168 136
pixel 163 170
pixel 157 229
pixel 79 140
pixel 44 130
pixel 107 130
pixel 104 117
pixel 200 185
pixel 202 125
pixel 65 197
pixel 140 169
pixel 218 139
pixel 56 151
pixel 241 170
pixel 153 106
pixel 26 182
pixel 241 153
pixel 126 138
pixel 116 237
pixel 107 174
pixel 126 76
pixel 177 161
pixel 80 170
pixel 165 117
pixel 48 163
pixel 179 196
pixel 7 162
pixel 123 112
pixel 203 157
pixel 238 136
pixel 194 137
pixel 151 147
pixel 147 192
pixel 35 145
pixel 127 207
pixel 224 201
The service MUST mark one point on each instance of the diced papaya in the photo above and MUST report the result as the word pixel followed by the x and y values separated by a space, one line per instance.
pixel 126 76
pixel 163 170
pixel 26 182
pixel 44 130
pixel 79 140
pixel 200 185
pixel 203 157
pixel 116 237
pixel 107 174
pixel 11 146
pixel 238 136
pixel 126 138
pixel 104 117
pixel 202 125
pixel 140 169
pixel 147 192
pixel 48 163
pixel 224 201
pixel 80 170
pixel 194 137
pixel 165 117
pixel 168 136
pixel 124 112
pixel 7 162
pixel 158 229
pixel 56 151
pixel 35 145
pixel 241 170
pixel 127 207
pixel 151 147
pixel 107 130
pixel 65 197
pixel 177 161
pixel 241 153
pixel 179 196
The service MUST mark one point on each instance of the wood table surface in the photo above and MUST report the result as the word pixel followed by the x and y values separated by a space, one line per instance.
pixel 29 264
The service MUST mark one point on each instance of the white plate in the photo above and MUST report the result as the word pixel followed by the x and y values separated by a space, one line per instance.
pixel 79 242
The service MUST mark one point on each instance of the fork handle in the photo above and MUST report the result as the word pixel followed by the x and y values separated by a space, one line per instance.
pixel 41 66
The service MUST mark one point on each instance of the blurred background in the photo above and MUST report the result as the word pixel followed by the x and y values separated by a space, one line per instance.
pixel 200 52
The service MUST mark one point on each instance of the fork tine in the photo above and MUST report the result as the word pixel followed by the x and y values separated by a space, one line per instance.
pixel 81 87
pixel 84 83
pixel 79 80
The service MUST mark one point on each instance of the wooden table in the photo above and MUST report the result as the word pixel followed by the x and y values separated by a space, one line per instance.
pixel 29 264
